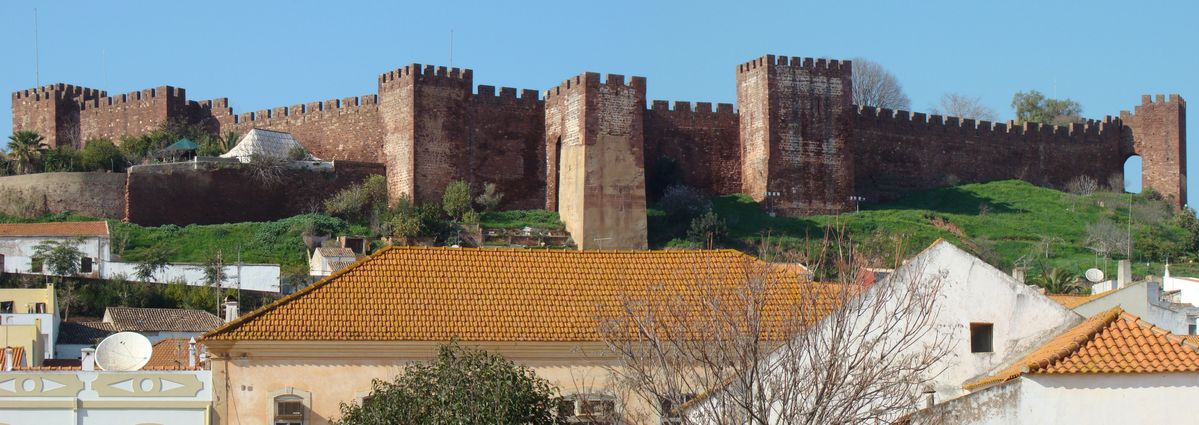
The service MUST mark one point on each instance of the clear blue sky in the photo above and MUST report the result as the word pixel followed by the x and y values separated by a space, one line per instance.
pixel 1104 54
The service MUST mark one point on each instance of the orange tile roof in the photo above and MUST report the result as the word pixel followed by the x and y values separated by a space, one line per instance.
pixel 437 293
pixel 1108 342
pixel 1070 301
pixel 63 228
pixel 170 354
pixel 18 358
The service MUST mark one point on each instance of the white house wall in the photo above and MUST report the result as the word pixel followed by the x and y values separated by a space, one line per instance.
pixel 47 326
pixel 120 398
pixel 252 277
pixel 1142 300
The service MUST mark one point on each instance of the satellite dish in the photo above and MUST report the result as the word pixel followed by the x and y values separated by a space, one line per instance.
pixel 1094 275
pixel 123 352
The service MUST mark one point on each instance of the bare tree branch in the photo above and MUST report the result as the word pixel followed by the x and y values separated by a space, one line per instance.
pixel 874 86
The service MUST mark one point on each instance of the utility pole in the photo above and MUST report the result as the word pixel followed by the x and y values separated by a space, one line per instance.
pixel 451 48
pixel 37 59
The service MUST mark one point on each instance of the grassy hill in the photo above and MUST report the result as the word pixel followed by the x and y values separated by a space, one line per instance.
pixel 1005 222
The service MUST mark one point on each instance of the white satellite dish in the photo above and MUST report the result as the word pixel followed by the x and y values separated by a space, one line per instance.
pixel 1094 275
pixel 123 352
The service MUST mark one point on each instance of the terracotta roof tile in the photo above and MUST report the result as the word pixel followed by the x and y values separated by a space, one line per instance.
pixel 63 228
pixel 171 354
pixel 83 332
pixel 1108 342
pixel 437 293
pixel 1072 301
pixel 18 358
pixel 335 252
pixel 160 319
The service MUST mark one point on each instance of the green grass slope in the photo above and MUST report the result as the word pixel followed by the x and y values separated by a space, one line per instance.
pixel 1005 222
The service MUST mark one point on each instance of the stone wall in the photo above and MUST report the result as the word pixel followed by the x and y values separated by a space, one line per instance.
pixel 221 192
pixel 347 129
pixel 899 151
pixel 90 194
pixel 1156 131
pixel 134 113
pixel 704 144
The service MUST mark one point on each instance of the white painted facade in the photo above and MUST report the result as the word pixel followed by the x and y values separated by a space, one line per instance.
pixel 973 291
pixel 105 398
pixel 47 324
pixel 321 265
pixel 1187 287
pixel 1144 299
pixel 1084 399
pixel 18 251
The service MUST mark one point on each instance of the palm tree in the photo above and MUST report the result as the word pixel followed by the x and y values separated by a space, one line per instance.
pixel 1059 281
pixel 23 148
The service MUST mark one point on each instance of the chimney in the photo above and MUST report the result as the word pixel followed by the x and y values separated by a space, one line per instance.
pixel 1123 273
pixel 191 353
pixel 8 359
pixel 1018 274
pixel 88 362
pixel 230 309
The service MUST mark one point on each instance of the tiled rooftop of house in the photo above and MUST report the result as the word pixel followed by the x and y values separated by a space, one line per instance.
pixel 83 330
pixel 160 319
pixel 435 294
pixel 1071 301
pixel 335 252
pixel 171 354
pixel 65 228
pixel 1108 342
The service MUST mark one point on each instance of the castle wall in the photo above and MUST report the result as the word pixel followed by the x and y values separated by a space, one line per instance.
pixel 899 151
pixel 507 145
pixel 794 133
pixel 53 112
pixel 347 129
pixel 220 192
pixel 1156 131
pixel 596 131
pixel 92 194
pixel 703 143
pixel 133 113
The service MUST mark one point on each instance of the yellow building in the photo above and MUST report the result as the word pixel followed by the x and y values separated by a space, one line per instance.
pixel 29 320
pixel 294 361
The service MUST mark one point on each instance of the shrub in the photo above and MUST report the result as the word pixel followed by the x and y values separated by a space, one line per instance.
pixel 456 200
pixel 1115 183
pixel 490 198
pixel 60 159
pixel 1082 185
pixel 298 154
pixel 360 201
pixel 683 202
pixel 102 154
pixel 707 229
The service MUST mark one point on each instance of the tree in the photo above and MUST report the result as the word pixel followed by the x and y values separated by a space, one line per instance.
pixel 461 386
pixel 214 277
pixel 1105 238
pixel 1059 281
pixel 763 349
pixel 24 148
pixel 960 105
pixel 490 198
pixel 456 200
pixel 102 154
pixel 62 259
pixel 707 229
pixel 1033 106
pixel 153 262
pixel 874 86
pixel 362 201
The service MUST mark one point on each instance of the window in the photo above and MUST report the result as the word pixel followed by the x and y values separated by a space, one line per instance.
pixel 588 409
pixel 289 410
pixel 85 265
pixel 668 406
pixel 35 265
pixel 981 337
pixel 6 307
pixel 1192 329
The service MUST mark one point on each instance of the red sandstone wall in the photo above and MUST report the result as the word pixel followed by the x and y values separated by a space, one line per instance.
pixel 795 131
pixel 898 151
pixel 53 112
pixel 132 113
pixel 704 143
pixel 1157 132
pixel 507 145
pixel 424 113
pixel 180 194
pixel 346 129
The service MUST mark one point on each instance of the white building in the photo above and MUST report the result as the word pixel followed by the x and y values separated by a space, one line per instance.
pixel 1113 368
pixel 987 317
pixel 1144 299
pixel 18 244
pixel 326 260
pixel 156 324
pixel 173 388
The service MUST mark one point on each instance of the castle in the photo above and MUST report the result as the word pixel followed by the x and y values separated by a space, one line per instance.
pixel 583 148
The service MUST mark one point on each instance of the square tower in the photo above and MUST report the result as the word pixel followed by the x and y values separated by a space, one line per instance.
pixel 1157 131
pixel 795 126
pixel 424 114
pixel 595 160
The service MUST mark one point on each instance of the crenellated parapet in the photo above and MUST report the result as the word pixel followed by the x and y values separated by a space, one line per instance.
pixel 1090 131
pixel 822 67
pixel 487 94
pixel 58 91
pixel 427 74
pixel 302 111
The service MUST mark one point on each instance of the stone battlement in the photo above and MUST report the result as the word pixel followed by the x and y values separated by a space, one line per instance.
pixel 819 66
pixel 486 93
pixel 1009 131
pixel 135 96
pixel 429 74
pixel 57 91
pixel 592 79
pixel 685 106
pixel 297 111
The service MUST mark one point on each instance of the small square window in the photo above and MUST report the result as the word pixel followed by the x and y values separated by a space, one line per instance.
pixel 35 265
pixel 982 336
pixel 1192 329
pixel 85 265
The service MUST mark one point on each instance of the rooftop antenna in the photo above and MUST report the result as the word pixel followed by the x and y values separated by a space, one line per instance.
pixel 37 71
